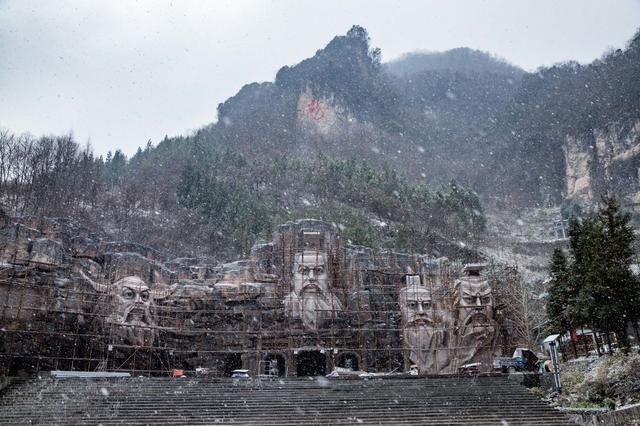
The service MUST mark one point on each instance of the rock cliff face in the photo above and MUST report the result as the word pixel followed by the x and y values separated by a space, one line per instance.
pixel 578 163
pixel 607 159
pixel 320 114
pixel 302 304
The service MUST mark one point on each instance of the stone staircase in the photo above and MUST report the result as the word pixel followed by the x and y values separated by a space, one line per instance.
pixel 483 400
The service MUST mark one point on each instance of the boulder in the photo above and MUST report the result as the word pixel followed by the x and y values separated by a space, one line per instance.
pixel 129 247
pixel 91 268
pixel 15 243
pixel 84 247
pixel 160 274
pixel 46 254
pixel 238 272
pixel 119 265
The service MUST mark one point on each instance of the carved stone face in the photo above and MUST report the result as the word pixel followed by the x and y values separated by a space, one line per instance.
pixel 132 309
pixel 416 306
pixel 423 329
pixel 310 299
pixel 310 273
pixel 474 305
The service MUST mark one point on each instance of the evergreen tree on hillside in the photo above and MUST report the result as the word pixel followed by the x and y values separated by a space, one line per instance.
pixel 599 287
pixel 237 216
pixel 559 294
pixel 115 167
pixel 619 282
pixel 562 295
pixel 586 239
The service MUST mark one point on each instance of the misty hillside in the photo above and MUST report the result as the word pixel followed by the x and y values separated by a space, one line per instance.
pixel 459 115
pixel 343 103
pixel 400 155
pixel 569 133
pixel 461 59
pixel 450 100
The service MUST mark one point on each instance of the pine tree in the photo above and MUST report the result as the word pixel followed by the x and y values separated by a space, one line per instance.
pixel 606 291
pixel 562 295
pixel 557 307
pixel 619 283
pixel 586 240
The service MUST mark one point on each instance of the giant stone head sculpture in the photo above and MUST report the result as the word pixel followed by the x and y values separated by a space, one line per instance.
pixel 132 311
pixel 423 327
pixel 311 299
pixel 474 317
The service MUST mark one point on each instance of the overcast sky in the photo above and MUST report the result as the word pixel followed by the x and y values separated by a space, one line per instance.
pixel 119 73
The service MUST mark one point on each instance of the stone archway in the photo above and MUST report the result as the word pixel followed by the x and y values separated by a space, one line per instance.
pixel 274 364
pixel 232 361
pixel 349 360
pixel 311 363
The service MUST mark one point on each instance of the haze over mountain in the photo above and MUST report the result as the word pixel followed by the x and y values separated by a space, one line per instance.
pixel 461 59
pixel 458 115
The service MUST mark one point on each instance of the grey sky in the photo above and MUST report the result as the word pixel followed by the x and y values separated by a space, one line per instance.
pixel 122 72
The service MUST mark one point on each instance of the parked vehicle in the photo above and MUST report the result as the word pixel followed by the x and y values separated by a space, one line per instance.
pixel 522 360
pixel 240 374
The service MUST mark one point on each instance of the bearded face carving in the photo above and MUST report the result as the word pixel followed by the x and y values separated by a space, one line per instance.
pixel 133 312
pixel 310 299
pixel 424 333
pixel 416 306
pixel 475 324
pixel 475 307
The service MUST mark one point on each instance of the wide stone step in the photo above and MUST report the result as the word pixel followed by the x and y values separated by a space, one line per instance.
pixel 263 419
pixel 266 417
pixel 284 408
pixel 292 421
pixel 441 400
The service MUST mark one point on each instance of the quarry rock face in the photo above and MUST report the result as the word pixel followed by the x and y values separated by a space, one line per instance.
pixel 607 158
pixel 321 114
pixel 301 304
pixel 578 170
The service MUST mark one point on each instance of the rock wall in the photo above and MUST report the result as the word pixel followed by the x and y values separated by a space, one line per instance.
pixel 302 304
pixel 321 115
pixel 605 159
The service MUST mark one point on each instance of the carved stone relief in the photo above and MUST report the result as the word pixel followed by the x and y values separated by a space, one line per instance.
pixel 303 292
pixel 132 311
pixel 474 318
pixel 310 299
pixel 424 327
